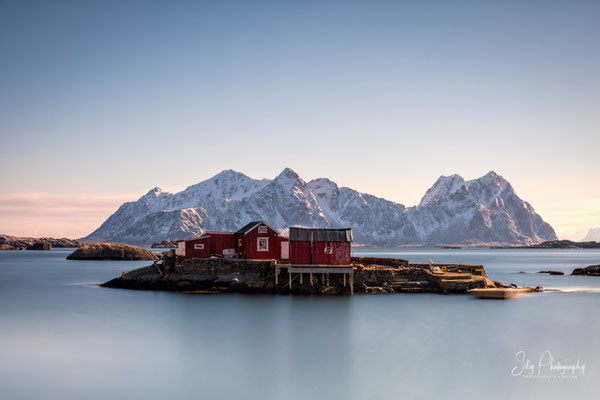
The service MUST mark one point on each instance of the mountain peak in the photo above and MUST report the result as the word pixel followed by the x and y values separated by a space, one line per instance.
pixel 288 172
pixel 229 173
pixel 154 192
pixel 323 185
pixel 288 175
pixel 492 178
pixel 444 186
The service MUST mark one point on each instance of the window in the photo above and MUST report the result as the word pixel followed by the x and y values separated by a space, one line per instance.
pixel 198 246
pixel 239 242
pixel 262 244
pixel 262 229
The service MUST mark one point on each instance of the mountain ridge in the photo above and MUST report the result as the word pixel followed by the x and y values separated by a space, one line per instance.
pixel 484 210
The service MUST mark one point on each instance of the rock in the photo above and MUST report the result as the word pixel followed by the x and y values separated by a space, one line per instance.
pixel 592 270
pixel 7 247
pixel 112 251
pixel 40 246
pixel 499 284
pixel 512 285
pixel 539 289
pixel 551 272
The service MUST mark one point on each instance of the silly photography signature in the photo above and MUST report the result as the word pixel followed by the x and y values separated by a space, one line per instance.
pixel 546 367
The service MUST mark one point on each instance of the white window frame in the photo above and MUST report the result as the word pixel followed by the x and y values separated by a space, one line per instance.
pixel 262 229
pixel 266 239
pixel 328 250
pixel 198 246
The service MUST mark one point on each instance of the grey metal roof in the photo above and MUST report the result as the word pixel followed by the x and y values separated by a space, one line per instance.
pixel 298 234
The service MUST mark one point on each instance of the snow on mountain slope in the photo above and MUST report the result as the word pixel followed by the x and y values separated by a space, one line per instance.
pixel 593 235
pixel 484 210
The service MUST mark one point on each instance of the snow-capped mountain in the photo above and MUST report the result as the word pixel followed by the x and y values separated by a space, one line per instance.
pixel 593 235
pixel 453 211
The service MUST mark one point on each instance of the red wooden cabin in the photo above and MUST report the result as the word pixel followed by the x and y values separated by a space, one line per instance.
pixel 255 241
pixel 209 244
pixel 259 241
pixel 314 246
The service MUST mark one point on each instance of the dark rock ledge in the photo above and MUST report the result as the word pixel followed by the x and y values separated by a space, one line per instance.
pixel 592 270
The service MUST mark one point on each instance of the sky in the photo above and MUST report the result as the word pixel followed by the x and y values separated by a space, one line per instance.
pixel 101 101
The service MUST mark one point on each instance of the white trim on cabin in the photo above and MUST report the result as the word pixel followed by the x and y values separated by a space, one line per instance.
pixel 261 223
pixel 258 243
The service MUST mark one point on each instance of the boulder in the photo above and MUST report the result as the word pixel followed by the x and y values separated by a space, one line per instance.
pixel 7 247
pixel 592 270
pixel 551 272
pixel 112 251
pixel 40 246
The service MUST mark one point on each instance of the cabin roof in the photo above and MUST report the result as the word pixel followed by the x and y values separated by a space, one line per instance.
pixel 205 235
pixel 251 225
pixel 300 234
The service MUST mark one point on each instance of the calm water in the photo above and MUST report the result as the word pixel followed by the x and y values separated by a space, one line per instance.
pixel 62 337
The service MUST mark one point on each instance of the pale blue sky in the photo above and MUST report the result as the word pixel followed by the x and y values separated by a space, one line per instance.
pixel 108 99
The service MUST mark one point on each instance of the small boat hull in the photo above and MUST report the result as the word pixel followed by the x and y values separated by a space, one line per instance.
pixel 495 293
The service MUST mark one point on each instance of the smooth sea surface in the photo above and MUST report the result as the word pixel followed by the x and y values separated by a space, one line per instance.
pixel 63 337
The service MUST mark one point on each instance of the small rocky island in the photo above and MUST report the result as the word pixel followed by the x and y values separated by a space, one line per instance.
pixel 40 246
pixel 112 251
pixel 564 244
pixel 364 275
pixel 592 270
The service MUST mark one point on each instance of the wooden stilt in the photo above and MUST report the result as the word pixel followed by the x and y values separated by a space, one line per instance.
pixel 301 278
pixel 351 283
pixel 290 276
pixel 344 280
pixel 327 279
pixel 322 279
pixel 276 275
pixel 311 281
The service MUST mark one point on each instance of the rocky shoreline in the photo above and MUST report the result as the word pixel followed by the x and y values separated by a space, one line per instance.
pixel 370 275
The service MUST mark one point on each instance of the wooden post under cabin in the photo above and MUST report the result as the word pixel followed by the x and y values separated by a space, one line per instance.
pixel 344 280
pixel 301 278
pixel 311 281
pixel 276 275
pixel 290 276
pixel 351 283
pixel 311 247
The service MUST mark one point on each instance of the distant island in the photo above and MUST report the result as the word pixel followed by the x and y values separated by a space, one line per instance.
pixel 564 244
pixel 8 242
